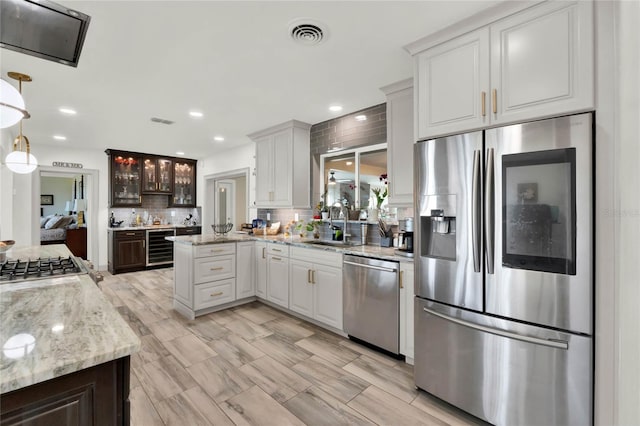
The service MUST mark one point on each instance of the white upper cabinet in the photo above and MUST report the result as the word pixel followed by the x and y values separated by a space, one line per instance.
pixel 533 64
pixel 451 78
pixel 283 165
pixel 542 62
pixel 400 142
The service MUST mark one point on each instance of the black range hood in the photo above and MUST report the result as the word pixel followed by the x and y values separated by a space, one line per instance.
pixel 43 29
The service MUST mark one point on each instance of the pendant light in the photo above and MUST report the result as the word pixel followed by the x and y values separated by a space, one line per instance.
pixel 12 107
pixel 19 161
pixel 332 179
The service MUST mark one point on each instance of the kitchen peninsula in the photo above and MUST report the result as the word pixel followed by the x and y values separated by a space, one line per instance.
pixel 66 350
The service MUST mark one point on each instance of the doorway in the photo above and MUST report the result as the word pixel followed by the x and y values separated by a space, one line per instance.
pixel 226 199
pixel 66 188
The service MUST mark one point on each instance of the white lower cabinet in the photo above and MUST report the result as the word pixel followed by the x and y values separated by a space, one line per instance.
pixel 407 294
pixel 204 276
pixel 316 285
pixel 278 274
pixel 245 273
pixel 261 269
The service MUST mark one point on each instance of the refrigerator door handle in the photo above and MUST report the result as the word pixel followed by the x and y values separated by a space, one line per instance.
pixel 558 344
pixel 475 211
pixel 489 213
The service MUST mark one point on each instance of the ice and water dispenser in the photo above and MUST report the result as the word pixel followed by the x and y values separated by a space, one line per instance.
pixel 438 227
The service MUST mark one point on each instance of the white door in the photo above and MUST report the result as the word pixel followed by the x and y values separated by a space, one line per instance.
pixel 225 201
pixel 327 283
pixel 452 78
pixel 542 62
pixel 300 287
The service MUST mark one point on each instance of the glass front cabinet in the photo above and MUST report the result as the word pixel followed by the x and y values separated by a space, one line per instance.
pixel 184 187
pixel 126 185
pixel 158 176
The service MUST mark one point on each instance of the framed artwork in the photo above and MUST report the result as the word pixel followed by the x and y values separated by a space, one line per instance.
pixel 46 200
pixel 528 192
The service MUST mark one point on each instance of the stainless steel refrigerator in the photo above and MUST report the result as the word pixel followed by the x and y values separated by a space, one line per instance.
pixel 504 271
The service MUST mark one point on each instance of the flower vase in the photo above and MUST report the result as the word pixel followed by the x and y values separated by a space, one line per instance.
pixel 373 215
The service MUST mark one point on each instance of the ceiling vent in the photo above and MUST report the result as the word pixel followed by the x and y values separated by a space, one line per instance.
pixel 307 31
pixel 161 120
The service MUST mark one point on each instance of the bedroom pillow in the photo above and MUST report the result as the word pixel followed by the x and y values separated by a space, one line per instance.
pixel 44 220
pixel 66 220
pixel 53 222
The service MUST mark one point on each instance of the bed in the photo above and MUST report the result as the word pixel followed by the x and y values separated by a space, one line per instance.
pixel 53 228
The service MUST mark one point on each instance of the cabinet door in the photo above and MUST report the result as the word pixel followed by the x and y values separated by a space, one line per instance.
pixel 130 254
pixel 126 185
pixel 451 80
pixel 264 171
pixel 282 168
pixel 245 282
pixel 184 184
pixel 407 293
pixel 261 269
pixel 157 176
pixel 400 146
pixel 278 280
pixel 327 286
pixel 542 62
pixel 300 287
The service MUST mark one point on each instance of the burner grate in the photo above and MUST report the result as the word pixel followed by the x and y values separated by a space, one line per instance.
pixel 11 270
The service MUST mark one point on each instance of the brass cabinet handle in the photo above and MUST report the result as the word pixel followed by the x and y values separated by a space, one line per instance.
pixel 140 199
pixel 217 250
pixel 219 268
pixel 217 293
pixel 275 249
pixel 263 250
pixel 494 100
pixel 483 103
pixel 276 258
pixel 130 234
pixel 401 285
pixel 144 244
pixel 313 276
pixel 309 276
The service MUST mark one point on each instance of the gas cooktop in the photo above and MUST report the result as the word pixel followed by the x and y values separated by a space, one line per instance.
pixel 22 270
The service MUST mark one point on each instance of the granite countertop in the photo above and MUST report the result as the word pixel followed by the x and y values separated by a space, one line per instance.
pixel 56 326
pixel 144 227
pixel 387 253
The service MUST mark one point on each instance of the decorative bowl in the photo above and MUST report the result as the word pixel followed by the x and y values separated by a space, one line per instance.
pixel 222 228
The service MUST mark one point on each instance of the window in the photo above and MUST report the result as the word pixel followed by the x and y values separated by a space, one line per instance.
pixel 350 176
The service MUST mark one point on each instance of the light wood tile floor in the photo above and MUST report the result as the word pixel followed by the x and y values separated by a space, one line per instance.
pixel 254 365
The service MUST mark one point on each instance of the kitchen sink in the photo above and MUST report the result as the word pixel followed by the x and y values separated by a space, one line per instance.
pixel 332 243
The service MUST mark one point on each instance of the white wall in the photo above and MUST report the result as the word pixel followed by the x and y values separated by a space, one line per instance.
pixel 62 190
pixel 234 159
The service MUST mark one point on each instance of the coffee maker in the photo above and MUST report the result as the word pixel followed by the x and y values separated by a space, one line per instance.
pixel 405 239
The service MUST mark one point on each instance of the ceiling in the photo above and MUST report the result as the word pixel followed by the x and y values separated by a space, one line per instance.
pixel 233 61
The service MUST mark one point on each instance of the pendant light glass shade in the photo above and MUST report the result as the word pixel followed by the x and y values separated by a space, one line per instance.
pixel 21 162
pixel 332 179
pixel 11 105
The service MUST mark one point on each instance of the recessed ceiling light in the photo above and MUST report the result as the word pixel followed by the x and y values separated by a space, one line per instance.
pixel 335 108
pixel 69 111
pixel 349 163
pixel 361 117
pixel 218 138
pixel 60 137
pixel 179 153
pixel 196 114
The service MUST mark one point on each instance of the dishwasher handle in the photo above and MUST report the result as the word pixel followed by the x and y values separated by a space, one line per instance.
pixel 363 265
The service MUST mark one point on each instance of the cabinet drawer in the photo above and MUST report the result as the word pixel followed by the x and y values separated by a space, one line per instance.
pixel 278 249
pixel 214 268
pixel 130 235
pixel 322 257
pixel 213 294
pixel 214 250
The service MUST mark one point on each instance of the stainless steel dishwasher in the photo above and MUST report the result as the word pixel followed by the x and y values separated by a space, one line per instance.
pixel 371 301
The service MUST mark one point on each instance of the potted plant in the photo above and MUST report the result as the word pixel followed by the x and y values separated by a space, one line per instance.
pixel 322 207
pixel 381 194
